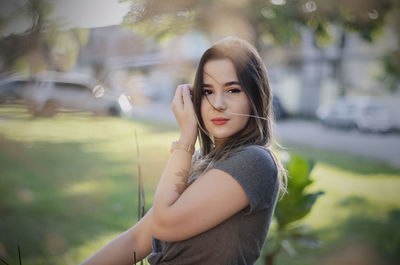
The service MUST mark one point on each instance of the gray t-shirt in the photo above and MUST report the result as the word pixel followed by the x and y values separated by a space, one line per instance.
pixel 239 239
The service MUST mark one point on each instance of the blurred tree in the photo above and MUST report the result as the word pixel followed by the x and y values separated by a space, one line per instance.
pixel 391 61
pixel 264 23
pixel 273 21
pixel 15 45
pixel 30 42
pixel 391 70
pixel 290 209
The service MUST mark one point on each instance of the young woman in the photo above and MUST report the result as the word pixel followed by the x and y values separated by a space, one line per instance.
pixel 214 206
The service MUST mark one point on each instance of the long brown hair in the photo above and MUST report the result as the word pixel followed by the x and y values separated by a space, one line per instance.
pixel 252 76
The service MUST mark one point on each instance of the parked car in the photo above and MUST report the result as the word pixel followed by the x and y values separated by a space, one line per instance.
pixel 350 114
pixel 50 92
pixel 374 118
pixel 11 90
pixel 279 111
pixel 343 114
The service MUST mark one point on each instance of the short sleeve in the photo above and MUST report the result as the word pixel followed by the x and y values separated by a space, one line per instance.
pixel 255 170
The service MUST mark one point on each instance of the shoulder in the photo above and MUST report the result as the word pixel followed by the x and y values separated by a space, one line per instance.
pixel 252 157
pixel 255 169
pixel 257 152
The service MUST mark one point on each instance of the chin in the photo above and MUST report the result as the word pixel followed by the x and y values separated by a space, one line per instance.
pixel 222 137
pixel 221 133
pixel 225 131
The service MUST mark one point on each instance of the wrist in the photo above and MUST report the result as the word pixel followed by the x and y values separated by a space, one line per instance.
pixel 182 146
pixel 188 139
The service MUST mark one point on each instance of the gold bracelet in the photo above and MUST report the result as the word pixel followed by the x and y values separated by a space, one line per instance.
pixel 179 145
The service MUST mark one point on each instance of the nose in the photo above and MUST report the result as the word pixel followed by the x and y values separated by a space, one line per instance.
pixel 219 101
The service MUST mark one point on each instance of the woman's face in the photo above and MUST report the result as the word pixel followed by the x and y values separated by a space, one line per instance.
pixel 223 98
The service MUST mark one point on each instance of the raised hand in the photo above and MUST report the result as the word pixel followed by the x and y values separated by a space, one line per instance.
pixel 183 109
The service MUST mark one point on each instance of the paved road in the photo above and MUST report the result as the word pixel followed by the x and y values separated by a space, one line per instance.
pixel 385 147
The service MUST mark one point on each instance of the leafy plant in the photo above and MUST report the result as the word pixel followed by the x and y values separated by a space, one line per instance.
pixel 294 206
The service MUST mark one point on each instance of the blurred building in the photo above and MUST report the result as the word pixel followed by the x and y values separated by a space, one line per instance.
pixel 308 77
pixel 111 42
pixel 142 68
pixel 304 77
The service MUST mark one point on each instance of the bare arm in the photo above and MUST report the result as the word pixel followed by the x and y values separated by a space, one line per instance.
pixel 210 200
pixel 120 251
pixel 180 212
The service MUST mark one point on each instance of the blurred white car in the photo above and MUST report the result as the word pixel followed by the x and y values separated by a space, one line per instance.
pixel 351 114
pixel 375 118
pixel 50 92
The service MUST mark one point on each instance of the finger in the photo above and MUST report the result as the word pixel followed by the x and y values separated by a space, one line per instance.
pixel 177 92
pixel 191 90
pixel 178 96
pixel 186 95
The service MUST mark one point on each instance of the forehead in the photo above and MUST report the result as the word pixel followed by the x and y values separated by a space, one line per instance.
pixel 220 70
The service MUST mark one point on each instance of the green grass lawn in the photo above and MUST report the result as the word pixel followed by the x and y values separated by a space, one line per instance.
pixel 68 185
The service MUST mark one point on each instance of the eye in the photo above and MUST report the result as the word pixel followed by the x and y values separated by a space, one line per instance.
pixel 234 90
pixel 206 91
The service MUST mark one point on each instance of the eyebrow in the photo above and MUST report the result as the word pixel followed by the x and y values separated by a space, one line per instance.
pixel 224 85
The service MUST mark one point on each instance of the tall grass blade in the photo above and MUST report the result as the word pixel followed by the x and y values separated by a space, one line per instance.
pixel 5 262
pixel 141 199
pixel 141 195
pixel 19 255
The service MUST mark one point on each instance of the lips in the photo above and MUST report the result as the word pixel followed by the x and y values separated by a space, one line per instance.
pixel 220 121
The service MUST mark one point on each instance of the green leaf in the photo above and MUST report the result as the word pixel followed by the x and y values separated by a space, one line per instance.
pixel 298 170
pixel 292 209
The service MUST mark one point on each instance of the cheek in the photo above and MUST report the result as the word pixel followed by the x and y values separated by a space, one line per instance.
pixel 244 121
pixel 203 111
pixel 249 110
pixel 248 106
pixel 245 108
pixel 204 105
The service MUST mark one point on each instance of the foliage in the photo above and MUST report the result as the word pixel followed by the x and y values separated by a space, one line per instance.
pixel 270 21
pixel 294 206
pixel 388 235
pixel 40 44
pixel 391 73
pixel 380 231
pixel 267 23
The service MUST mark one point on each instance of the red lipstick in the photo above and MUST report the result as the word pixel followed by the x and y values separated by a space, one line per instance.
pixel 220 121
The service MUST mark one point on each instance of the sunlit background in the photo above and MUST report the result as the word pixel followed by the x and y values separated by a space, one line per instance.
pixel 79 79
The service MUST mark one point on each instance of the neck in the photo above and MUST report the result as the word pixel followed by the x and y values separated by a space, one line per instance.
pixel 219 143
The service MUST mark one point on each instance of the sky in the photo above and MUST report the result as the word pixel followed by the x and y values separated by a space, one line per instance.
pixel 90 13
pixel 72 14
